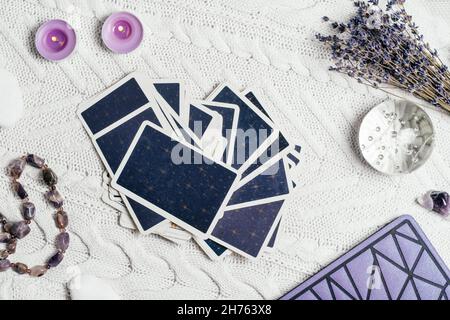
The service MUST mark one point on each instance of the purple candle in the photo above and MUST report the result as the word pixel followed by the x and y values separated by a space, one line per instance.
pixel 56 40
pixel 122 32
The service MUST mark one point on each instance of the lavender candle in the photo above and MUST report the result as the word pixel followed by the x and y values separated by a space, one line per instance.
pixel 122 32
pixel 55 40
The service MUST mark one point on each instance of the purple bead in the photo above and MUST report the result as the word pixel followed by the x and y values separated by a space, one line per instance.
pixel 20 229
pixel 35 161
pixel 50 178
pixel 4 237
pixel 7 227
pixel 55 198
pixel 16 168
pixel 62 220
pixel 62 241
pixel 28 211
pixel 4 265
pixel 20 190
pixel 55 260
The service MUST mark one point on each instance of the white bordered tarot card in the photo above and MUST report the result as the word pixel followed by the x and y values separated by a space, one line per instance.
pixel 112 118
pixel 212 249
pixel 206 125
pixel 255 132
pixel 248 230
pixel 271 185
pixel 175 180
pixel 230 117
pixel 127 96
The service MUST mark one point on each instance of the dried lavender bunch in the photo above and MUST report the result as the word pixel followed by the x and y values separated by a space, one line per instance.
pixel 383 48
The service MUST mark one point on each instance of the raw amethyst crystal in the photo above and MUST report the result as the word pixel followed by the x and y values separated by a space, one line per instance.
pixel 20 229
pixel 55 260
pixel 62 241
pixel 437 201
pixel 4 265
pixel 28 211
pixel 16 168
pixel 35 161
pixel 55 198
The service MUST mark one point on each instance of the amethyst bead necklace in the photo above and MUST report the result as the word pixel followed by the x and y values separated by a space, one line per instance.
pixel 12 232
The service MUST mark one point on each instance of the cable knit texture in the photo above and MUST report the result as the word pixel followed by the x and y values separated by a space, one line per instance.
pixel 268 45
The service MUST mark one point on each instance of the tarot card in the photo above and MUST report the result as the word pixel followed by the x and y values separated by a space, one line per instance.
pixel 396 263
pixel 212 249
pixel 230 117
pixel 173 92
pixel 125 97
pixel 175 180
pixel 254 130
pixel 248 230
pixel 273 240
pixel 205 124
pixel 273 184
pixel 112 119
pixel 272 153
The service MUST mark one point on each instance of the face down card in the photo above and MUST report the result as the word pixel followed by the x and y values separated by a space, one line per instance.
pixel 112 117
pixel 189 189
pixel 254 131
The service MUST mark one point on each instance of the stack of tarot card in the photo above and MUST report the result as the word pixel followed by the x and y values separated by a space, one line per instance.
pixel 217 169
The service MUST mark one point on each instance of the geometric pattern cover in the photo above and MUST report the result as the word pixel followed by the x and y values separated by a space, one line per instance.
pixel 396 263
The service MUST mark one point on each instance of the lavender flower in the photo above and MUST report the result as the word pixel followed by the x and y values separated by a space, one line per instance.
pixel 383 48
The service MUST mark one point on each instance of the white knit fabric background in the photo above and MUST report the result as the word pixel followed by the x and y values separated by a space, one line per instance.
pixel 266 44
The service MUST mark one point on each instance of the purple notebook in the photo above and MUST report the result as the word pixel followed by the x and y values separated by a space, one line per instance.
pixel 396 263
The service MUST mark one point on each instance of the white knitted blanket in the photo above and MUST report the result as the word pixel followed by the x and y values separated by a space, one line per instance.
pixel 265 44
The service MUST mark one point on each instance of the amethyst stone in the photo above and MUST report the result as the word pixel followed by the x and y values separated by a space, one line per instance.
pixel 20 268
pixel 55 198
pixel 62 241
pixel 35 161
pixel 55 260
pixel 12 246
pixel 4 237
pixel 7 227
pixel 4 265
pixel 20 229
pixel 50 177
pixel 16 168
pixel 29 211
pixel 437 201
pixel 21 191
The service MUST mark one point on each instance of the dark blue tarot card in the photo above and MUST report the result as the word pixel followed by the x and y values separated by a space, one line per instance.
pixel 250 124
pixel 189 193
pixel 248 229
pixel 122 101
pixel 271 183
pixel 171 92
